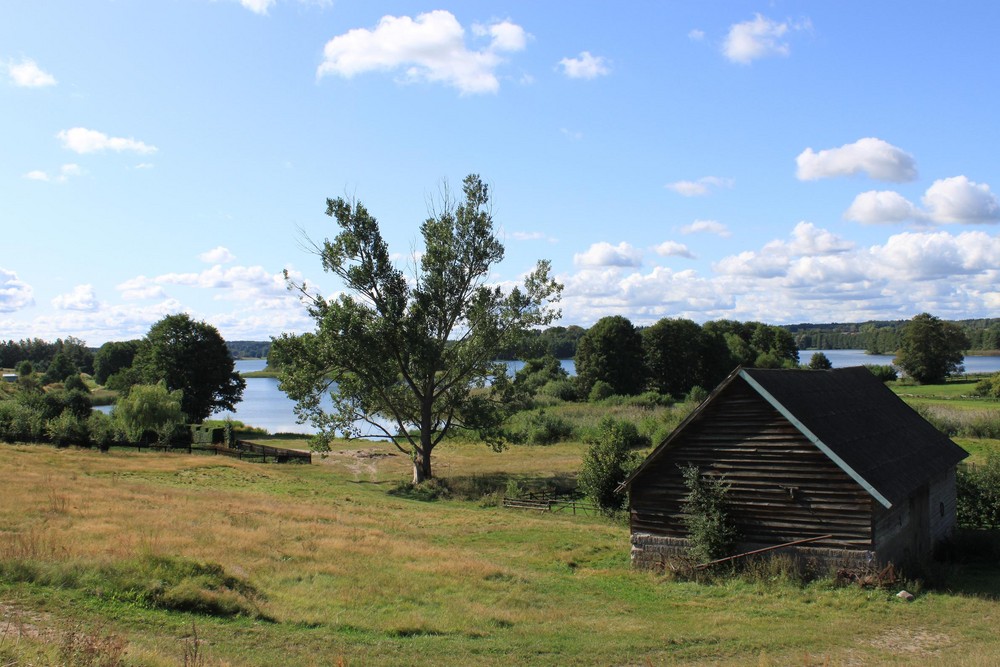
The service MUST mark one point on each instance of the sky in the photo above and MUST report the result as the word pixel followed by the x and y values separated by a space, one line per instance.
pixel 776 161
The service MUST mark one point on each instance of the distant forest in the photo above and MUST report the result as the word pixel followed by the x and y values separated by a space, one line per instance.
pixel 876 337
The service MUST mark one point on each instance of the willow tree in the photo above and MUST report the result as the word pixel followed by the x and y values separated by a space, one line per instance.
pixel 412 360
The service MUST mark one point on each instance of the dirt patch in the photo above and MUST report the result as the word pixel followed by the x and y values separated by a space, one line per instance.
pixel 360 462
pixel 16 623
pixel 904 641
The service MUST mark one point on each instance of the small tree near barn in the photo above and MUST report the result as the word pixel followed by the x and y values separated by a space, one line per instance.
pixel 710 531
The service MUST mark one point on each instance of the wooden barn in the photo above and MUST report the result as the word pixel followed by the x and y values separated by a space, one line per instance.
pixel 807 454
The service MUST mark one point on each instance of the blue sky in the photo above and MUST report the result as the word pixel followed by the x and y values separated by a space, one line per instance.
pixel 777 161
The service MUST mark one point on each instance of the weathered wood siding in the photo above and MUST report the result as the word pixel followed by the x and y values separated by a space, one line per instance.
pixel 909 530
pixel 783 487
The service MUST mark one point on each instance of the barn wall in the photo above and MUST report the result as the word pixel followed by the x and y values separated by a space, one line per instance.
pixel 908 531
pixel 783 487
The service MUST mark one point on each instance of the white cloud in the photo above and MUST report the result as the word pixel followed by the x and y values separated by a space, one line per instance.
pixel 708 227
pixel 65 172
pixel 15 294
pixel 875 157
pixel 957 199
pixel 946 201
pixel 430 48
pixel 585 66
pixel 527 236
pixel 604 254
pixel 696 35
pixel 81 140
pixel 217 255
pixel 27 74
pixel 673 249
pixel 570 134
pixel 701 187
pixel 751 40
pixel 81 298
pixel 258 6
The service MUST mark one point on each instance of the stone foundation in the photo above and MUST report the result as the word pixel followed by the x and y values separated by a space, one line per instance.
pixel 652 552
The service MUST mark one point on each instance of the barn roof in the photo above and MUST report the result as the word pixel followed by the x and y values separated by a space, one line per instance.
pixel 852 417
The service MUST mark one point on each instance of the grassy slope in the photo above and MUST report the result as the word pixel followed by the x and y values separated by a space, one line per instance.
pixel 354 573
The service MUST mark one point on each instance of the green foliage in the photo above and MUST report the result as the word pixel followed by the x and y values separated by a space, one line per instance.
pixel 67 429
pixel 820 362
pixel 978 490
pixel 711 532
pixel 20 422
pixel 102 430
pixel 988 387
pixel 59 369
pixel 113 357
pixel 680 354
pixel 538 427
pixel 931 349
pixel 608 461
pixel 884 372
pixel 564 390
pixel 76 383
pixel 192 357
pixel 611 351
pixel 161 582
pixel 538 372
pixel 412 353
pixel 600 390
pixel 25 369
pixel 150 410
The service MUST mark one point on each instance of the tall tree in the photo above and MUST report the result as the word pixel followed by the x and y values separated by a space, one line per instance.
pixel 611 351
pixel 412 359
pixel 190 356
pixel 931 349
pixel 112 357
pixel 674 355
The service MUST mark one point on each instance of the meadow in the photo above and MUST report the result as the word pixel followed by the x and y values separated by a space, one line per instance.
pixel 164 559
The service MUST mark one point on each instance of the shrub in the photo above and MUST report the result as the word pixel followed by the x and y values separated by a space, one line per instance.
pixel 600 391
pixel 19 422
pixel 884 372
pixel 102 430
pixel 697 395
pixel 546 429
pixel 608 461
pixel 67 429
pixel 564 390
pixel 711 532
pixel 988 387
pixel 978 490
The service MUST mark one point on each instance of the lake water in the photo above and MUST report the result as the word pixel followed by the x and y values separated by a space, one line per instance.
pixel 266 406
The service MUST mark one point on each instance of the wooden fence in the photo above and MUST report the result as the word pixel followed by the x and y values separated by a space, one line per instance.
pixel 548 502
pixel 241 449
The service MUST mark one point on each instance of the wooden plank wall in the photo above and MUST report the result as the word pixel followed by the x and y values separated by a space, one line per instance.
pixel 783 487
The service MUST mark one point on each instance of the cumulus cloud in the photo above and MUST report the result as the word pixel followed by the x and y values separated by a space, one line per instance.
pixel 708 227
pixel 585 66
pixel 27 74
pixel 217 255
pixel 81 298
pixel 758 38
pixel 429 48
pixel 875 157
pixel 810 275
pixel 37 175
pixel 604 254
pixel 701 187
pixel 955 200
pixel 673 249
pixel 81 140
pixel 696 35
pixel 15 294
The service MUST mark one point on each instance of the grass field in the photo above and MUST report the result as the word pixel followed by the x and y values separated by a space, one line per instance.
pixel 329 567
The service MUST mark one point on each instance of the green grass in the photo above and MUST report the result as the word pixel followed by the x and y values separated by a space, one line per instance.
pixel 340 569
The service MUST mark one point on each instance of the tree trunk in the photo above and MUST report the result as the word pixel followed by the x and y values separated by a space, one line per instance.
pixel 421 466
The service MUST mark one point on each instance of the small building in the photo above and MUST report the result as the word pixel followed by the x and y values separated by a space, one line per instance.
pixel 10 377
pixel 807 454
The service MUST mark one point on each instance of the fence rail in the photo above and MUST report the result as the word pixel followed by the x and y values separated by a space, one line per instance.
pixel 550 503
pixel 241 449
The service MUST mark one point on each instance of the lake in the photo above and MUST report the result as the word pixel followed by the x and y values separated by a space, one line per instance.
pixel 266 406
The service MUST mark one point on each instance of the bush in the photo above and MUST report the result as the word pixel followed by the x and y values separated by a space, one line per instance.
pixel 19 422
pixel 885 373
pixel 697 395
pixel 978 490
pixel 564 390
pixel 103 431
pixel 600 391
pixel 67 429
pixel 546 429
pixel 711 532
pixel 608 461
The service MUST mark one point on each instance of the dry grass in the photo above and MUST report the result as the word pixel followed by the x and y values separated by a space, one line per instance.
pixel 354 574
